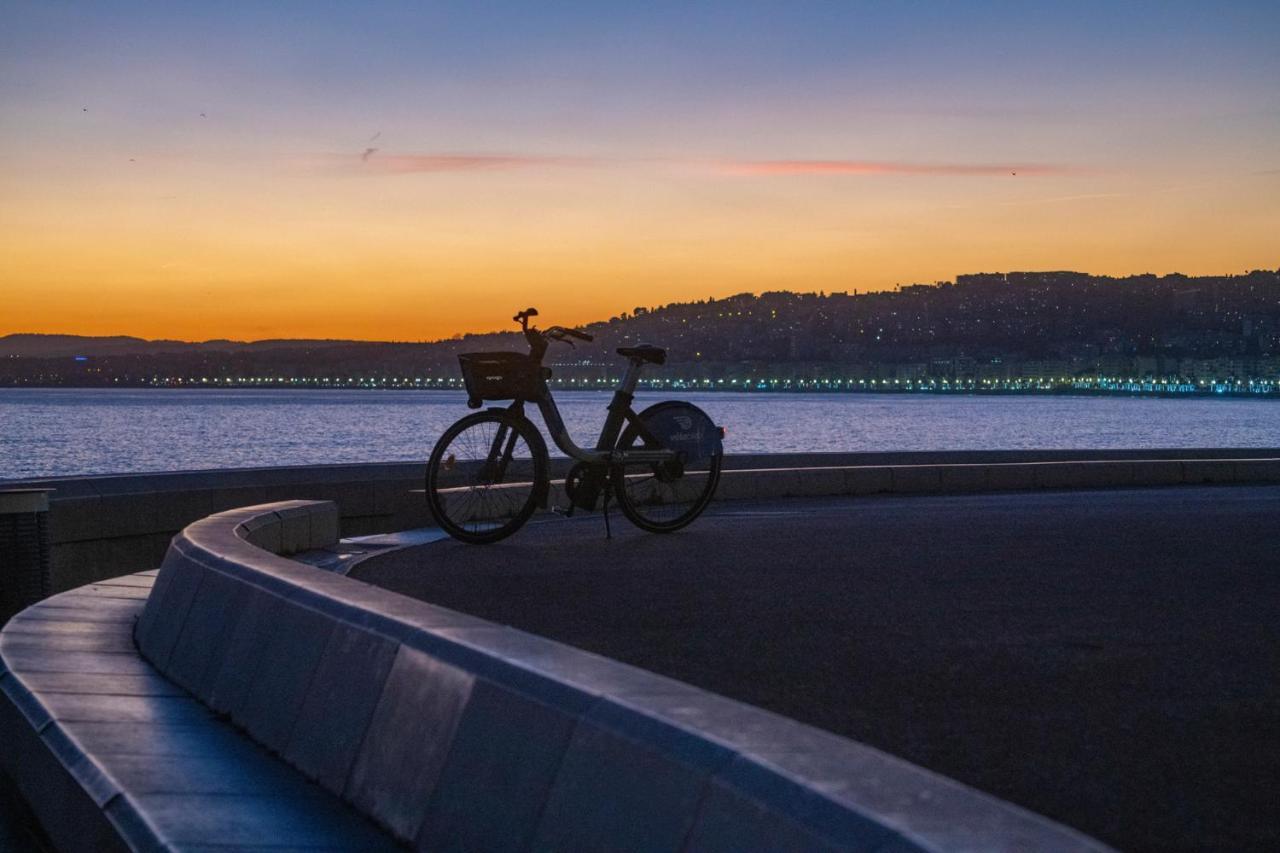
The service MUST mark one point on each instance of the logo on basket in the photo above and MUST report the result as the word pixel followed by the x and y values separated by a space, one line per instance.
pixel 684 421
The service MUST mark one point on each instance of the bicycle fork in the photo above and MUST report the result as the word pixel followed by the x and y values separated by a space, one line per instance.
pixel 500 452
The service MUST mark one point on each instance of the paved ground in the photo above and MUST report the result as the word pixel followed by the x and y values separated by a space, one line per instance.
pixel 18 832
pixel 1109 659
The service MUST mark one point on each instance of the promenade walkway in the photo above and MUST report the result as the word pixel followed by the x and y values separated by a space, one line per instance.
pixel 1104 658
pixel 17 830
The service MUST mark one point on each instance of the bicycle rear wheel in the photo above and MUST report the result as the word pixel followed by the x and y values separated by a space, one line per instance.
pixel 485 477
pixel 666 496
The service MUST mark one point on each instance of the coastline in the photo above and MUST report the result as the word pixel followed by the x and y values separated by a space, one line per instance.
pixel 1238 390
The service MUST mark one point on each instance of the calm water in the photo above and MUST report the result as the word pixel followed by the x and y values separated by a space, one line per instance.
pixel 67 432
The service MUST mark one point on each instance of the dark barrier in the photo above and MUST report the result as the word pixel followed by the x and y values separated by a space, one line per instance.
pixel 24 549
pixel 103 526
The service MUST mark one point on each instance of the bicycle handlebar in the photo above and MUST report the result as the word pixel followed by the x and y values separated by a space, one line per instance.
pixel 555 332
pixel 559 333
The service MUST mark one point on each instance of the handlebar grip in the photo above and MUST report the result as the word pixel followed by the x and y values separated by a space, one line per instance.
pixel 582 336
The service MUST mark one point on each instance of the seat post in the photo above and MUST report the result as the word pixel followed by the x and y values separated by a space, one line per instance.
pixel 631 378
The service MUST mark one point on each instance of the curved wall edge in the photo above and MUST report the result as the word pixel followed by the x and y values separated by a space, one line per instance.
pixel 446 728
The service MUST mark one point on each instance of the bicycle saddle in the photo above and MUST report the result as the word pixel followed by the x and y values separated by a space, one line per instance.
pixel 644 352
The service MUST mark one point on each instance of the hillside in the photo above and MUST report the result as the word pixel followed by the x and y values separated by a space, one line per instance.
pixel 995 326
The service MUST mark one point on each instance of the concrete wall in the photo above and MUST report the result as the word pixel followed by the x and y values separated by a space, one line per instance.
pixel 455 733
pixel 108 755
pixel 107 525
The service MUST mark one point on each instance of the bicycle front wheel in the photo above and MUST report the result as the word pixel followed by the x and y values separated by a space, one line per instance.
pixel 665 496
pixel 485 477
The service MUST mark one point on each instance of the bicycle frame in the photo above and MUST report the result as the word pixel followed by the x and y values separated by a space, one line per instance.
pixel 620 414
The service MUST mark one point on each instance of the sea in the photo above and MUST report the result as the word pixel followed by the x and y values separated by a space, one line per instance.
pixel 71 432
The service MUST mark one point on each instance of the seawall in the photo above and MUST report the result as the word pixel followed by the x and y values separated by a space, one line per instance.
pixel 101 526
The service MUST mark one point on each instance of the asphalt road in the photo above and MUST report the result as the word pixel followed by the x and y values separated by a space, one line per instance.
pixel 1110 659
pixel 19 832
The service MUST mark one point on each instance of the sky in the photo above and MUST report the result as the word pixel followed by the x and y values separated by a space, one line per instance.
pixel 408 171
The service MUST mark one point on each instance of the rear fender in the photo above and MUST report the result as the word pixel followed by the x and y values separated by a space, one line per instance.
pixel 696 433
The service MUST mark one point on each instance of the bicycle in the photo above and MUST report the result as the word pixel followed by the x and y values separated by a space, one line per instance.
pixel 488 472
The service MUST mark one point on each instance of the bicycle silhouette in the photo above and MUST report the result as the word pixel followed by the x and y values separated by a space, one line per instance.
pixel 488 473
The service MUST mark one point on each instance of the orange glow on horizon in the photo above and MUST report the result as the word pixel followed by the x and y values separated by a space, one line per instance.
pixel 407 172
pixel 268 249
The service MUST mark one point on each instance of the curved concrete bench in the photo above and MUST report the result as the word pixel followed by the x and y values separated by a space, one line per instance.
pixel 112 756
pixel 455 733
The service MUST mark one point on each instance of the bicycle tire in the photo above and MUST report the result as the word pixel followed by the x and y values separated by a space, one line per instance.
pixel 650 495
pixel 463 495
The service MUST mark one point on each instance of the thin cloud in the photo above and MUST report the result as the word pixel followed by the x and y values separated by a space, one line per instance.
pixel 403 164
pixel 409 163
pixel 888 167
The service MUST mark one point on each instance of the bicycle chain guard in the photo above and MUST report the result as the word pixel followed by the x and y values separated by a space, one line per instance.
pixel 583 483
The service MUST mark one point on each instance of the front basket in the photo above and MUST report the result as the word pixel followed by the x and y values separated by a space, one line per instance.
pixel 500 376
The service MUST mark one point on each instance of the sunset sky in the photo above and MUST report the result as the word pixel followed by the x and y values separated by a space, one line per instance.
pixel 410 170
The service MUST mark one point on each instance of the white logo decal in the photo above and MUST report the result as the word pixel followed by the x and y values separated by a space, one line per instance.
pixel 684 421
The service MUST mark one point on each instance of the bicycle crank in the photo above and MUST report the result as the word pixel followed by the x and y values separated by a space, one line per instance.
pixel 582 485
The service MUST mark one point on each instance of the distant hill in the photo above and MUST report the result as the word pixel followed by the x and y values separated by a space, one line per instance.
pixel 64 346
pixel 986 326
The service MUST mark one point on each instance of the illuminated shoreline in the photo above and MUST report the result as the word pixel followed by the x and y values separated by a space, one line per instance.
pixel 1032 386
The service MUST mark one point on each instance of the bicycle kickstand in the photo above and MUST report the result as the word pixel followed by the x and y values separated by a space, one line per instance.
pixel 608 493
